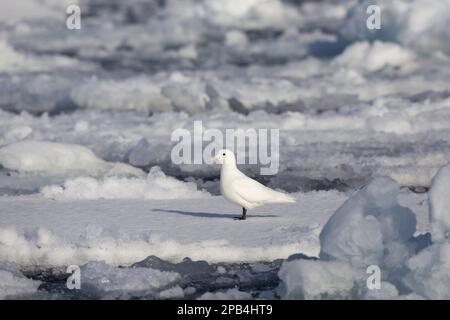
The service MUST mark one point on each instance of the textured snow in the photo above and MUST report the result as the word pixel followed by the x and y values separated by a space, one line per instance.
pixel 86 118
pixel 372 139
pixel 156 186
pixel 350 103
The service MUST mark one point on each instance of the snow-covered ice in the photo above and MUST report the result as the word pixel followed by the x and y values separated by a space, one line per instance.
pixel 36 231
pixel 86 176
pixel 123 231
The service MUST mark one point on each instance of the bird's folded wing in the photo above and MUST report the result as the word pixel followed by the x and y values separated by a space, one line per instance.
pixel 252 191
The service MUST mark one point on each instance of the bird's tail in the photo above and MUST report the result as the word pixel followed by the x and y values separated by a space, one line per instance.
pixel 284 198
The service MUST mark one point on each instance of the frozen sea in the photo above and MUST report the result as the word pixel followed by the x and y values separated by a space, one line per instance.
pixel 86 118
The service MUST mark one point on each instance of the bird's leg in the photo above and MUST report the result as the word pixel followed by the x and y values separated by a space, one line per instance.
pixel 243 217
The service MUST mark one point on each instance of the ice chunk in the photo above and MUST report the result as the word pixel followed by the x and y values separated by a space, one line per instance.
pixel 139 93
pixel 172 293
pixel 365 224
pixel 256 14
pixel 236 38
pixel 230 294
pixel 18 133
pixel 141 154
pixel 370 228
pixel 13 11
pixel 375 56
pixel 13 61
pixel 414 23
pixel 53 158
pixel 48 156
pixel 385 292
pixel 13 285
pixel 187 266
pixel 38 92
pixel 101 278
pixel 439 202
pixel 429 275
pixel 306 279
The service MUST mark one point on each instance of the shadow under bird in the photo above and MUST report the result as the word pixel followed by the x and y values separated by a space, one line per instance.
pixel 239 189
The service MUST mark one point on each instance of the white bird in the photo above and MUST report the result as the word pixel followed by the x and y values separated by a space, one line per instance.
pixel 237 188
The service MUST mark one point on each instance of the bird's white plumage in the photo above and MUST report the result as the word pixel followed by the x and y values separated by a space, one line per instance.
pixel 242 190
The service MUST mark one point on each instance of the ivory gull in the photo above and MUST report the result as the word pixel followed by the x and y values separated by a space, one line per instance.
pixel 237 188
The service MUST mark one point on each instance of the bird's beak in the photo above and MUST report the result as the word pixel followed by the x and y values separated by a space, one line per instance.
pixel 216 159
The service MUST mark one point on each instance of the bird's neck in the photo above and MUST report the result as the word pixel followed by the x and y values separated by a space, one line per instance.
pixel 229 168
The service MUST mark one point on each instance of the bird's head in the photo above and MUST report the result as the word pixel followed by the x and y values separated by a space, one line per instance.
pixel 225 156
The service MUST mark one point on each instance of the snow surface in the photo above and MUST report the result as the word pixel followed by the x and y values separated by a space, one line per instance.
pixel 86 118
pixel 40 231
pixel 36 231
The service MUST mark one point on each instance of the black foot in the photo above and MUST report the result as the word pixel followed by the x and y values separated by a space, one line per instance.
pixel 243 217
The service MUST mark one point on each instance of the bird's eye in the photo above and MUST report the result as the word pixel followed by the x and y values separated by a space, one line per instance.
pixel 223 154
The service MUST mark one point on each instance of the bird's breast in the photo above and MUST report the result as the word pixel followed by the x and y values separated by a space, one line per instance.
pixel 226 188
